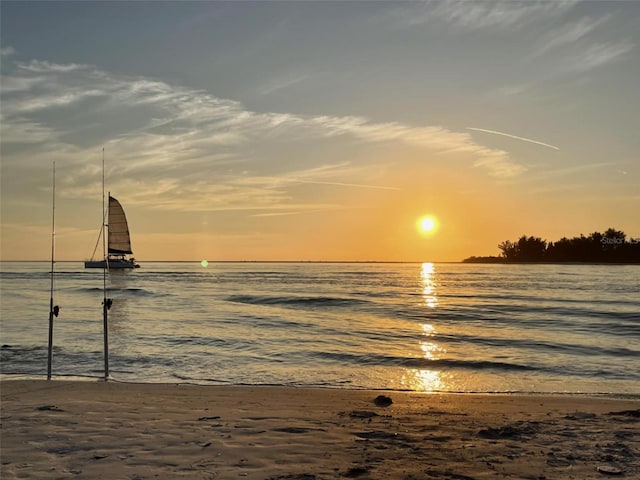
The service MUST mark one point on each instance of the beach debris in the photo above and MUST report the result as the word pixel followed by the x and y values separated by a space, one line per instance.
pixel 49 408
pixel 99 456
pixel 382 401
pixel 363 414
pixel 448 475
pixel 297 429
pixel 206 419
pixel 500 432
pixel 63 450
pixel 457 476
pixel 627 413
pixel 439 438
pixel 609 470
pixel 580 416
pixel 554 461
pixel 510 431
pixel 302 476
pixel 205 445
pixel 379 435
pixel 356 472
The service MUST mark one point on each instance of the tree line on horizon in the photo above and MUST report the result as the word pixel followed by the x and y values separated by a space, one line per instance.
pixel 612 246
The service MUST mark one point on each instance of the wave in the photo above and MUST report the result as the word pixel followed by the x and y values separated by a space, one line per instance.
pixel 611 323
pixel 129 291
pixel 530 300
pixel 476 365
pixel 138 292
pixel 533 345
pixel 302 301
pixel 419 362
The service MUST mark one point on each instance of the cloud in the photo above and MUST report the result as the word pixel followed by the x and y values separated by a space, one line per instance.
pixel 7 51
pixel 469 15
pixel 555 173
pixel 342 184
pixel 20 84
pixel 277 214
pixel 569 33
pixel 49 67
pixel 580 51
pixel 25 132
pixel 599 54
pixel 512 90
pixel 179 148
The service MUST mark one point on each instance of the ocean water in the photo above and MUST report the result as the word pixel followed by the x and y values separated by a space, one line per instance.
pixel 399 326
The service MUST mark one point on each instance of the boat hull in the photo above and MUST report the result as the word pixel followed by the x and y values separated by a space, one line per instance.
pixel 112 264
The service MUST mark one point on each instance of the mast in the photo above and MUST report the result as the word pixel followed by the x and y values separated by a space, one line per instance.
pixel 106 302
pixel 53 310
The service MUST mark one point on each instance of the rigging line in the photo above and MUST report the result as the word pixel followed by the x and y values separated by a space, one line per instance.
pixel 95 249
pixel 104 220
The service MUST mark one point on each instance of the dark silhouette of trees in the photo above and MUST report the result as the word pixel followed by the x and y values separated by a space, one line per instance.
pixel 532 248
pixel 612 246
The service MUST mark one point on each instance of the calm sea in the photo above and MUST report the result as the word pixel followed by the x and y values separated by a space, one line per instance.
pixel 425 327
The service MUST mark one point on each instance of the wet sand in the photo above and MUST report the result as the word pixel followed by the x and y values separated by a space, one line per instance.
pixel 97 430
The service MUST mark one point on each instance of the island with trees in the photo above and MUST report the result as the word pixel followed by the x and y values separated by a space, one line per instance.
pixel 612 246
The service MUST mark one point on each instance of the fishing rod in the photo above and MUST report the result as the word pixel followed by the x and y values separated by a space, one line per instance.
pixel 53 310
pixel 106 302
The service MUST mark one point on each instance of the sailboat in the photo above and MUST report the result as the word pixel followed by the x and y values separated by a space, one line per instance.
pixel 118 240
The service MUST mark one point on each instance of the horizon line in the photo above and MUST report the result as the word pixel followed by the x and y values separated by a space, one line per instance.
pixel 249 261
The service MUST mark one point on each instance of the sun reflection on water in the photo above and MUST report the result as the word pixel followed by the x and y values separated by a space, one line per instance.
pixel 428 282
pixel 423 380
pixel 426 379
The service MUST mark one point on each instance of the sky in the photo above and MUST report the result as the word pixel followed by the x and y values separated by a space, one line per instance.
pixel 317 130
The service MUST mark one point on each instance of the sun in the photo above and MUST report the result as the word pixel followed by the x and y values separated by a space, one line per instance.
pixel 427 224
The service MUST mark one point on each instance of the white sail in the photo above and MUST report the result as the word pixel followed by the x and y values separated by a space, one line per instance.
pixel 119 242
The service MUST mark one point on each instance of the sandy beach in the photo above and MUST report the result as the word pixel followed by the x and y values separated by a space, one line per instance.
pixel 63 429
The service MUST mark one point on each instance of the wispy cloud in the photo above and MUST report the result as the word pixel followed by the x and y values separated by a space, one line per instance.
pixel 512 90
pixel 21 131
pixel 548 173
pixel 7 51
pixel 277 214
pixel 479 15
pixel 49 67
pixel 342 184
pixel 180 148
pixel 524 139
pixel 569 33
pixel 599 54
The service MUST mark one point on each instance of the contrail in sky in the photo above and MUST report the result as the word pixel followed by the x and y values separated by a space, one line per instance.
pixel 513 136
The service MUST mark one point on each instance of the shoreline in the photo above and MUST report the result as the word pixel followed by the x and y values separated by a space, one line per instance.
pixel 84 429
pixel 20 377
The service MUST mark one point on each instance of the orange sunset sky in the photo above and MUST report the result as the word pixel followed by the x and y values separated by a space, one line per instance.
pixel 318 130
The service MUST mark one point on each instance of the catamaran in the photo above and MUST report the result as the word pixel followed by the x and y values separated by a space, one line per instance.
pixel 118 240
